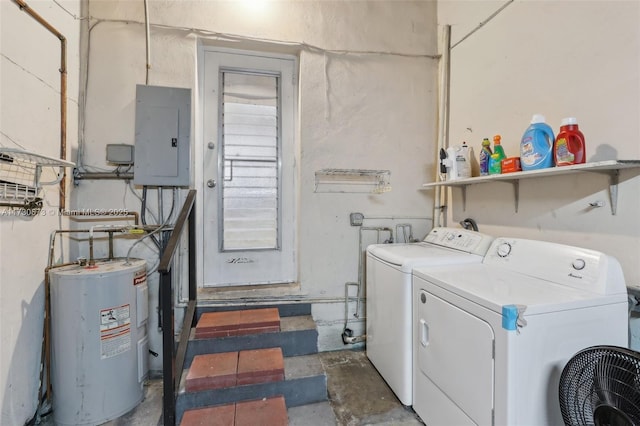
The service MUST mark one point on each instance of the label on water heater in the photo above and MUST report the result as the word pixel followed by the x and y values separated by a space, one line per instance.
pixel 140 277
pixel 115 331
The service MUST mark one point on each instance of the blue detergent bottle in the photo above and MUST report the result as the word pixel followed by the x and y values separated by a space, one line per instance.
pixel 536 146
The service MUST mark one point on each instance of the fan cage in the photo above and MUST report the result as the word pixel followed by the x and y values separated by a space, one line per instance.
pixel 599 377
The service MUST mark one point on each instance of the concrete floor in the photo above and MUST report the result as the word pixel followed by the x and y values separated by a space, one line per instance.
pixel 357 396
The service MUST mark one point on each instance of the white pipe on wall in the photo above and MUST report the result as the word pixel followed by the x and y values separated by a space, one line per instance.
pixel 440 196
pixel 147 40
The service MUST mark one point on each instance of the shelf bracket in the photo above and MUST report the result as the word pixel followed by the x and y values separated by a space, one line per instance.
pixel 516 193
pixel 464 197
pixel 614 179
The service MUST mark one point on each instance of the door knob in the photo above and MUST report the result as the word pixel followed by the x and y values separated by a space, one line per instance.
pixel 211 183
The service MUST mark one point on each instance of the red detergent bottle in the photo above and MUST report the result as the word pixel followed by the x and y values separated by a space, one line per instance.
pixel 569 145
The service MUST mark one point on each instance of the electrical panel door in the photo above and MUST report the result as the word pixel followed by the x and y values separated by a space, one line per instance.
pixel 163 124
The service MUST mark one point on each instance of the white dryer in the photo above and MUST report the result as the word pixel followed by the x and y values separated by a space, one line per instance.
pixel 491 339
pixel 388 286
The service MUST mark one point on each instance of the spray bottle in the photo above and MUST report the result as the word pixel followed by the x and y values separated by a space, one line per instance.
pixel 495 161
pixel 485 154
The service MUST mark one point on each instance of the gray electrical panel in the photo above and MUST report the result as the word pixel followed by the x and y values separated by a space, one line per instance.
pixel 163 129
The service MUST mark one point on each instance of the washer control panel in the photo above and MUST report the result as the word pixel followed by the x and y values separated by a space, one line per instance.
pixel 460 239
pixel 567 265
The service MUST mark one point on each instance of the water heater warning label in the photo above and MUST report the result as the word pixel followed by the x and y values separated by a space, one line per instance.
pixel 115 331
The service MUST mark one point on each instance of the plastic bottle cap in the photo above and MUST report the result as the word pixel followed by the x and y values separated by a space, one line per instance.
pixel 496 139
pixel 537 118
pixel 569 121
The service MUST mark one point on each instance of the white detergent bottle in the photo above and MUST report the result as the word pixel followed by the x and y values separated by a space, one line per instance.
pixel 459 162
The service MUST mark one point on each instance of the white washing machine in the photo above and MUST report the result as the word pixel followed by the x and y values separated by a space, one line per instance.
pixel 491 339
pixel 389 309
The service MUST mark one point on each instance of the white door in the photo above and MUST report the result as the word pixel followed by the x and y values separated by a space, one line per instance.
pixel 249 169
pixel 455 352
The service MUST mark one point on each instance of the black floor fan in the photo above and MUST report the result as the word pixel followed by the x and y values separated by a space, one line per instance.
pixel 601 386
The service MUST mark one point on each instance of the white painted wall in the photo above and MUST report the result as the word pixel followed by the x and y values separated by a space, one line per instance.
pixel 30 119
pixel 370 104
pixel 558 58
pixel 357 110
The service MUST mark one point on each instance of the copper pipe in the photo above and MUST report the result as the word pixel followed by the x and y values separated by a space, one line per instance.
pixel 63 119
pixel 63 91
pixel 109 231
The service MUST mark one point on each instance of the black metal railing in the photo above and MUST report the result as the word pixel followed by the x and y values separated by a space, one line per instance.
pixel 172 357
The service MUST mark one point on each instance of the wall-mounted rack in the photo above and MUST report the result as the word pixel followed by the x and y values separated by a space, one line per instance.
pixel 353 181
pixel 24 173
pixel 610 168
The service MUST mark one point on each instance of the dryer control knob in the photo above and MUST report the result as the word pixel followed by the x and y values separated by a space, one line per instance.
pixel 504 249
pixel 578 264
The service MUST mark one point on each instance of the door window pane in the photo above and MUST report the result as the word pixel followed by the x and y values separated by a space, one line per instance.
pixel 250 161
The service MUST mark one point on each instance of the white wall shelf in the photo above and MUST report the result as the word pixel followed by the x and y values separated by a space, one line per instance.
pixel 24 173
pixel 353 181
pixel 610 168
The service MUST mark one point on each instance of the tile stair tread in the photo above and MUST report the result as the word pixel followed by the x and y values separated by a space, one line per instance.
pixel 256 380
pixel 267 411
pixel 287 324
pixel 295 367
pixel 209 383
pixel 212 371
pixel 235 320
pixel 221 415
pixel 229 369
pixel 293 371
pixel 285 310
pixel 205 334
pixel 260 362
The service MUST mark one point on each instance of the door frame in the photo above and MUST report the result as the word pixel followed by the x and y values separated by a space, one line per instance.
pixel 199 143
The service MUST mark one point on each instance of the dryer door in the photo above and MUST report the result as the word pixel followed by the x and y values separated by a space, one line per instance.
pixel 455 353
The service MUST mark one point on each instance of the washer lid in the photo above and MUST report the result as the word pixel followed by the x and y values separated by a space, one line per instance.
pixel 408 256
pixel 495 287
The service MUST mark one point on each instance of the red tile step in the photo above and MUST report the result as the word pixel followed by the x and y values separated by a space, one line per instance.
pixel 212 371
pixel 265 412
pixel 237 323
pixel 228 369
pixel 260 366
pixel 222 415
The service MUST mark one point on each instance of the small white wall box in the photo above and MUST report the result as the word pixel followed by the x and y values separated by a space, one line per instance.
pixel 119 153
pixel 163 129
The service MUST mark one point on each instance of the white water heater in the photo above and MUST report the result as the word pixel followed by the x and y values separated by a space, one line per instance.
pixel 99 338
